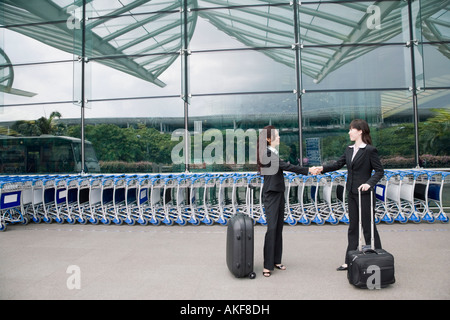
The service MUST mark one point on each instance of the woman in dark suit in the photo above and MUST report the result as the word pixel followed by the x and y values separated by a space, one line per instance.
pixel 361 159
pixel 271 168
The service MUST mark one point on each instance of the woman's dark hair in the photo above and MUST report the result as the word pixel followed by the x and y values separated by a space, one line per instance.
pixel 264 134
pixel 362 125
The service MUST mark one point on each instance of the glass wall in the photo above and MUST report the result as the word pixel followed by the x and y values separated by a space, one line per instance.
pixel 175 85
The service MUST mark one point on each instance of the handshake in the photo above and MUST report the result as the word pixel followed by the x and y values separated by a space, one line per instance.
pixel 315 170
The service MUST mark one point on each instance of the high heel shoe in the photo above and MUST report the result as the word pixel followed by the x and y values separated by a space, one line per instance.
pixel 344 267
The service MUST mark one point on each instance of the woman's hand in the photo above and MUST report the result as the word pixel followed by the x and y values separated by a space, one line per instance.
pixel 315 170
pixel 364 187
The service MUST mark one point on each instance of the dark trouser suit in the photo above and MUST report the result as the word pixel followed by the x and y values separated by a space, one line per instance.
pixel 353 230
pixel 273 244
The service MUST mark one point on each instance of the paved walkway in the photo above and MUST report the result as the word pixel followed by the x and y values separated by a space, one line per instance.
pixel 40 261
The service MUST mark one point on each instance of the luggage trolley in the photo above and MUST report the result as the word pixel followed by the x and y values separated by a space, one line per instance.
pixel 381 212
pixel 118 211
pixel 387 191
pixel 11 206
pixel 197 197
pixel 47 205
pixel 340 208
pixel 293 181
pixel 130 210
pixel 323 199
pixel 77 198
pixel 225 209
pixel 93 210
pixel 422 183
pixel 209 211
pixel 27 196
pixel 143 200
pixel 60 198
pixel 407 202
pixel 294 195
pixel 68 209
pixel 169 200
pixel 307 207
pixel 34 211
pixel 156 210
pixel 106 210
pixel 315 198
pixel 434 203
pixel 240 191
pixel 182 198
pixel 255 182
pixel 82 206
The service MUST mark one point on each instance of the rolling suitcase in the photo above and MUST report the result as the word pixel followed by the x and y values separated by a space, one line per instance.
pixel 369 267
pixel 240 245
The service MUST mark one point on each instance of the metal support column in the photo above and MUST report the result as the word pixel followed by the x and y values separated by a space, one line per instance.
pixel 185 88
pixel 83 75
pixel 412 43
pixel 298 90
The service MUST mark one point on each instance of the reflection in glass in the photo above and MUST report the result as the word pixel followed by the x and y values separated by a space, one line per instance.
pixel 242 71
pixel 355 61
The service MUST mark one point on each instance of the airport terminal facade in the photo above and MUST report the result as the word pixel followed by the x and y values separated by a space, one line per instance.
pixel 126 75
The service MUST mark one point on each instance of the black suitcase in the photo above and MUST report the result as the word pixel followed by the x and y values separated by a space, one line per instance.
pixel 240 246
pixel 369 267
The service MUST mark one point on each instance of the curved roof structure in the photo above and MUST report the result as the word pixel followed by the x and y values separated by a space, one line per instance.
pixel 146 39
pixel 147 34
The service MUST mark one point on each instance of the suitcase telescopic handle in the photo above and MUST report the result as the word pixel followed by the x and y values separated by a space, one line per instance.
pixel 372 213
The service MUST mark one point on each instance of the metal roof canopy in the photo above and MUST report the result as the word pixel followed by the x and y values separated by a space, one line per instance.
pixel 145 35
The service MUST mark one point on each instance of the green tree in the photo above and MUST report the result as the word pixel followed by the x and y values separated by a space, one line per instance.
pixel 48 126
pixel 40 126
pixel 435 133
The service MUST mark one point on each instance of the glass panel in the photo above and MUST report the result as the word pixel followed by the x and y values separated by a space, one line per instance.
pixel 43 21
pixel 221 123
pixel 437 65
pixel 434 111
pixel 137 108
pixel 433 24
pixel 114 78
pixel 30 140
pixel 355 63
pixel 23 71
pixel 15 39
pixel 245 109
pixel 45 154
pixel 244 27
pixel 353 22
pixel 113 8
pixel 34 112
pixel 389 114
pixel 140 35
pixel 356 67
pixel 133 136
pixel 226 3
pixel 243 71
pixel 40 83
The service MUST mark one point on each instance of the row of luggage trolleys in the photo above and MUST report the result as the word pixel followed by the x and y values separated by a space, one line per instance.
pixel 208 198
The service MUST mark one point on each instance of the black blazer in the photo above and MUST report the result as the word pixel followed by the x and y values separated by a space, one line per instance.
pixel 275 182
pixel 360 169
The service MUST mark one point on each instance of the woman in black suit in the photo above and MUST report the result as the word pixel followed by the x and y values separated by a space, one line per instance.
pixel 271 168
pixel 361 159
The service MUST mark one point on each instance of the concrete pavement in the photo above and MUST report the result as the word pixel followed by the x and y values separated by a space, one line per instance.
pixel 41 261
